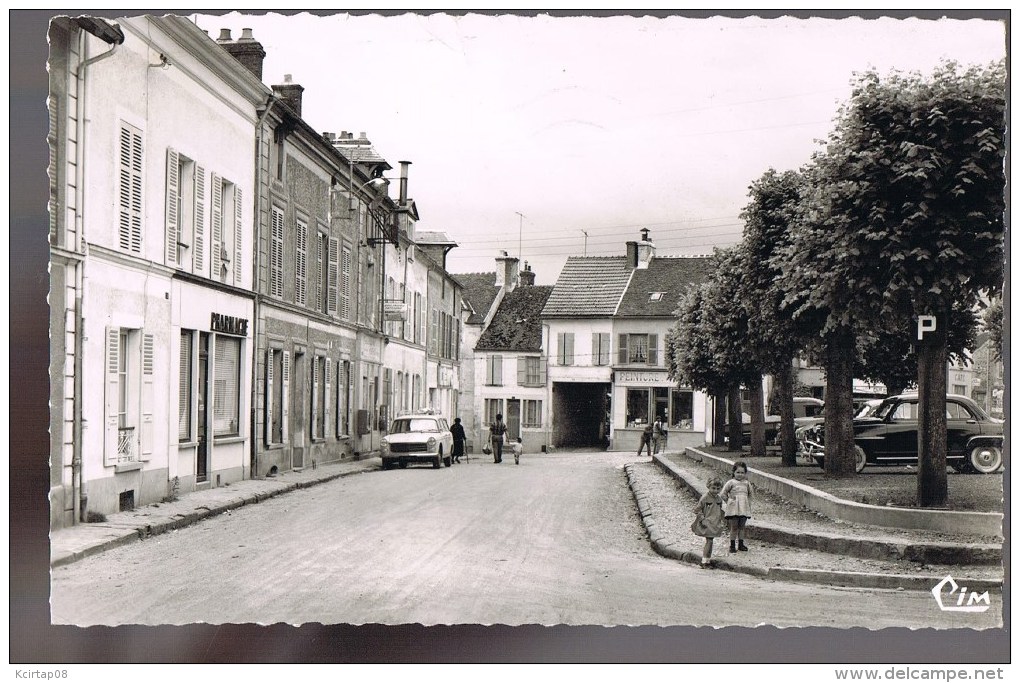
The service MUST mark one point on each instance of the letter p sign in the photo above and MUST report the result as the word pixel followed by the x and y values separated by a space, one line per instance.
pixel 925 323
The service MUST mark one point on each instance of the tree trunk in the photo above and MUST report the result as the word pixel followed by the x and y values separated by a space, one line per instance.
pixel 839 406
pixel 932 481
pixel 719 415
pixel 757 396
pixel 736 425
pixel 787 437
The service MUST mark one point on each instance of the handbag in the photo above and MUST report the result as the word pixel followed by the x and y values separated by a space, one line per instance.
pixel 486 449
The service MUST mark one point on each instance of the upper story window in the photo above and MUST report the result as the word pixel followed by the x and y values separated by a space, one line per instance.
pixel 600 348
pixel 226 231
pixel 494 370
pixel 639 349
pixel 531 371
pixel 276 254
pixel 185 212
pixel 565 348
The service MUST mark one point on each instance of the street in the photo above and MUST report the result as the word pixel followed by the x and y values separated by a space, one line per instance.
pixel 555 540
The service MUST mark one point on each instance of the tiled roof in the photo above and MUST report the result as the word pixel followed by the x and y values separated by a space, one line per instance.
pixel 667 278
pixel 432 238
pixel 479 291
pixel 588 286
pixel 517 325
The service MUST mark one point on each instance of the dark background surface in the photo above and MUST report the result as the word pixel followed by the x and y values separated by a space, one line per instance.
pixel 34 640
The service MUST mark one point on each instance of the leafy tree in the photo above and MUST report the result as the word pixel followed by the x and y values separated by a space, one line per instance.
pixel 772 340
pixel 991 322
pixel 911 196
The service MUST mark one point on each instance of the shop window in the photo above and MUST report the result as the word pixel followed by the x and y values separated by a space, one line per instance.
pixel 637 407
pixel 184 394
pixel 682 409
pixel 227 387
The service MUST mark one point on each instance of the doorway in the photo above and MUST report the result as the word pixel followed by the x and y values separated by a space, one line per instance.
pixel 513 419
pixel 202 459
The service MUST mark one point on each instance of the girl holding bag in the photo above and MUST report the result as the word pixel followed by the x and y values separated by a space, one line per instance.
pixel 708 520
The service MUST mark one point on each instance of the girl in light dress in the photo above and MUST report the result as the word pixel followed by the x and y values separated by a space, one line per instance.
pixel 736 496
pixel 708 519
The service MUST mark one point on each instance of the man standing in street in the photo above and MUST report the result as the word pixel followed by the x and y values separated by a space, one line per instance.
pixel 659 435
pixel 497 430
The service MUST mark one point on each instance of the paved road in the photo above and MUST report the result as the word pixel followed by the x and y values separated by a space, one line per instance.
pixel 555 540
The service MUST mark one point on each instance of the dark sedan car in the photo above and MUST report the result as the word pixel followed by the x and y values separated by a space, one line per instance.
pixel 889 436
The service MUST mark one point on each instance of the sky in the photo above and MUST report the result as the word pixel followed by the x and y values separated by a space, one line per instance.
pixel 548 137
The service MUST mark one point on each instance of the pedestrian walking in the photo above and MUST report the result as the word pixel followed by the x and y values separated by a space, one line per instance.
pixel 646 440
pixel 497 434
pixel 459 437
pixel 708 519
pixel 659 433
pixel 736 495
pixel 518 449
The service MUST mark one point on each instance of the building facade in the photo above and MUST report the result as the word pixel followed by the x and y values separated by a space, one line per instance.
pixel 151 252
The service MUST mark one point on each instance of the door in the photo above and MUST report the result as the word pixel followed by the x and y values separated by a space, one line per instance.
pixel 202 461
pixel 300 397
pixel 513 419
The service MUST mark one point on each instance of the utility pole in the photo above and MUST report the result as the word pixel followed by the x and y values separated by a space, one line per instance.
pixel 585 242
pixel 520 233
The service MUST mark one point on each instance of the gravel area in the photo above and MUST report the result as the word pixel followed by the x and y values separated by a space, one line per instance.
pixel 671 507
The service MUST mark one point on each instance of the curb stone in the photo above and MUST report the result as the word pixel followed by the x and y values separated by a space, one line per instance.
pixel 826 577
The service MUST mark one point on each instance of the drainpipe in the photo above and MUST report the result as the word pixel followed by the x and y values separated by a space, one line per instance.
pixel 77 486
pixel 255 283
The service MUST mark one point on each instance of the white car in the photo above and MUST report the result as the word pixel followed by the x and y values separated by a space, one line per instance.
pixel 418 438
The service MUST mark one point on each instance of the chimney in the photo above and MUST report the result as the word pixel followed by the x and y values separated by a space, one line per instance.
pixel 527 276
pixel 507 272
pixel 403 181
pixel 632 255
pixel 645 250
pixel 246 50
pixel 290 93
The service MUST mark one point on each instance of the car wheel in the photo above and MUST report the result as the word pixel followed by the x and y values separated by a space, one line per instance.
pixel 437 462
pixel 448 461
pixel 860 459
pixel 986 459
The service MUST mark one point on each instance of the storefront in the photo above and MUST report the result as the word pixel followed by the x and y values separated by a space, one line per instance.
pixel 640 396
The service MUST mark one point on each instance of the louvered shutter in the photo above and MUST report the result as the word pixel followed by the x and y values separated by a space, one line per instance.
pixel 268 411
pixel 216 247
pixel 199 262
pixel 623 359
pixel 148 361
pixel 130 200
pixel 326 396
pixel 184 390
pixel 568 348
pixel 238 235
pixel 112 427
pixel 542 370
pixel 653 349
pixel 316 413
pixel 173 191
pixel 276 255
pixel 301 263
pixel 285 392
pixel 522 371
pixel 497 368
pixel 345 284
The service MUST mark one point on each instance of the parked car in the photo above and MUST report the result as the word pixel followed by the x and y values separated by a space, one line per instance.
pixel 418 438
pixel 888 435
pixel 805 408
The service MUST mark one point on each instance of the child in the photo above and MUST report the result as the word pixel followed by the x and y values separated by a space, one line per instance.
pixel 517 447
pixel 736 495
pixel 708 520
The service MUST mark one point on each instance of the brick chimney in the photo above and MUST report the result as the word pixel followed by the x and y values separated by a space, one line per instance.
pixel 527 276
pixel 640 253
pixel 290 93
pixel 245 49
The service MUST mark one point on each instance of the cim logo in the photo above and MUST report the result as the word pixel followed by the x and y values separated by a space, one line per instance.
pixel 964 602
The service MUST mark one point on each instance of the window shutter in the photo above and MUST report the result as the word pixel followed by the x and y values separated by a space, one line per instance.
pixel 184 390
pixel 216 248
pixel 623 359
pixel 497 370
pixel 653 349
pixel 301 263
pixel 560 356
pixel 488 370
pixel 130 220
pixel 112 386
pixel 238 235
pixel 326 397
pixel 596 348
pixel 522 371
pixel 604 348
pixel 268 411
pixel 315 396
pixel 345 284
pixel 285 389
pixel 334 247
pixel 542 370
pixel 199 263
pixel 172 198
pixel 568 338
pixel 276 255
pixel 148 360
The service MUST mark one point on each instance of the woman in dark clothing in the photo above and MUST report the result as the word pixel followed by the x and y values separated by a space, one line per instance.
pixel 458 439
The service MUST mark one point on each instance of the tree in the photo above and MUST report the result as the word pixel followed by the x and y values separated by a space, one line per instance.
pixel 916 182
pixel 772 339
pixel 991 322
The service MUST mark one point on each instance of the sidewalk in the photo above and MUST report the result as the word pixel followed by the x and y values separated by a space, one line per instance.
pixel 82 540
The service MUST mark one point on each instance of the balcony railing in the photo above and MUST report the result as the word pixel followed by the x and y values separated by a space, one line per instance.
pixel 126 451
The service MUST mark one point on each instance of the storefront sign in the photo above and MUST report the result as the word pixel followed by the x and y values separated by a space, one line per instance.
pixel 228 324
pixel 634 377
